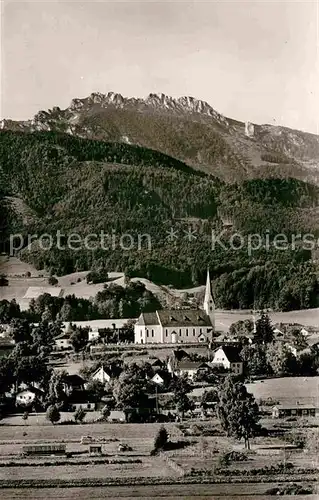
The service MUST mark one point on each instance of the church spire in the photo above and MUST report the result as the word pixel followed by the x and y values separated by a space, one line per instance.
pixel 209 306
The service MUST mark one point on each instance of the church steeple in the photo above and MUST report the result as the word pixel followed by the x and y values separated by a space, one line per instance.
pixel 209 305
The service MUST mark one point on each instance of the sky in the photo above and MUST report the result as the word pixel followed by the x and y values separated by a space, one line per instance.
pixel 253 61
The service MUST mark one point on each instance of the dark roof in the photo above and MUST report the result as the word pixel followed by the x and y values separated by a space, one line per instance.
pixel 295 407
pixel 80 397
pixel 187 317
pixel 156 362
pixel 63 335
pixel 190 365
pixel 232 353
pixel 148 319
pixel 74 380
pixel 31 388
pixel 179 354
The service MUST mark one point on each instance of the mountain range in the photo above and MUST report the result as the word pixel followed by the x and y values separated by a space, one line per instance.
pixel 174 169
pixel 187 129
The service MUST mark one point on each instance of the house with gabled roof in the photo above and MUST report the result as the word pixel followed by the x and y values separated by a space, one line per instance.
pixel 229 357
pixel 189 368
pixel 102 375
pixel 170 326
pixel 161 378
pixel 28 396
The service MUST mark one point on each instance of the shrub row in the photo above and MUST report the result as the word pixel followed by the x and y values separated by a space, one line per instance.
pixel 71 462
pixel 125 481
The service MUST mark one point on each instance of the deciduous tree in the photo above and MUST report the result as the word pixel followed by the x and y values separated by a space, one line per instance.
pixel 237 410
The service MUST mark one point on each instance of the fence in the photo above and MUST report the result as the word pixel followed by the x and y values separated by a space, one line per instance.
pixel 177 468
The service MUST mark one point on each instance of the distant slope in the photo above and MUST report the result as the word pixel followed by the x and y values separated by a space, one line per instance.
pixel 158 215
pixel 187 129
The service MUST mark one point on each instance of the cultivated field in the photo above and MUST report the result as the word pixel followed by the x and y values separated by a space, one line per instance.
pixel 162 492
pixel 197 453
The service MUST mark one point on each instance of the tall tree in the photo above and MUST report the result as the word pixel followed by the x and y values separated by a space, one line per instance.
pixel 264 330
pixel 281 360
pixel 237 410
pixel 181 388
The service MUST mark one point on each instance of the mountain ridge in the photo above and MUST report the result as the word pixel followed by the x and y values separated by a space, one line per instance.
pixel 188 129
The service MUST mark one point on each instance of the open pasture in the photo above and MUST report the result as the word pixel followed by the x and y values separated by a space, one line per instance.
pixel 162 492
pixel 64 433
pixel 287 389
pixel 149 467
pixel 282 389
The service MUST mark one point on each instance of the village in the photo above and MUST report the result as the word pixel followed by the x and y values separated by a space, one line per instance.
pixel 143 398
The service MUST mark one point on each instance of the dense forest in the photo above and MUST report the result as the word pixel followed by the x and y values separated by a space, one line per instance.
pixel 75 185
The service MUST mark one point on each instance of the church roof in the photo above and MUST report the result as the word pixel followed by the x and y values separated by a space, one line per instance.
pixel 148 319
pixel 208 289
pixel 183 318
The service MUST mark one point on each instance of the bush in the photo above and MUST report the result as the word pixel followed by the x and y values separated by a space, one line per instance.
pixel 97 276
pixel 53 414
pixel 296 438
pixel 3 280
pixel 79 415
pixel 290 489
pixel 228 457
pixel 53 281
pixel 161 439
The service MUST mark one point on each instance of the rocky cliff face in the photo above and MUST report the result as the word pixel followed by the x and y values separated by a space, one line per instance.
pixel 188 129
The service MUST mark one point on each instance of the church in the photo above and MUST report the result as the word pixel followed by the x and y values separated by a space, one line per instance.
pixel 170 326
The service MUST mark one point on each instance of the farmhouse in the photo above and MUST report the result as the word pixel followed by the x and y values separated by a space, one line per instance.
pixel 73 383
pixel 189 368
pixel 80 399
pixel 296 410
pixel 170 326
pixel 161 378
pixel 228 357
pixel 101 375
pixel 63 341
pixel 28 396
pixel 157 364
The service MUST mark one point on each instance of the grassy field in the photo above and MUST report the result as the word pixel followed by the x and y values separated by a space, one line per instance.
pixel 149 467
pixel 64 433
pixel 284 389
pixel 163 492
pixel 287 389
pixel 199 453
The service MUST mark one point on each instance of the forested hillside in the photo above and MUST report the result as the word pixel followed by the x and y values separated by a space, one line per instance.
pixel 83 186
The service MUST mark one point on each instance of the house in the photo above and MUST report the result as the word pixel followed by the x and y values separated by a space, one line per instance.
pixel 7 344
pixel 186 367
pixel 157 364
pixel 228 357
pixel 102 375
pixel 295 410
pixel 73 383
pixel 304 332
pixel 28 396
pixel 161 378
pixel 81 399
pixel 63 341
pixel 170 326
pixel 277 333
pixel 5 330
pixel 176 356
